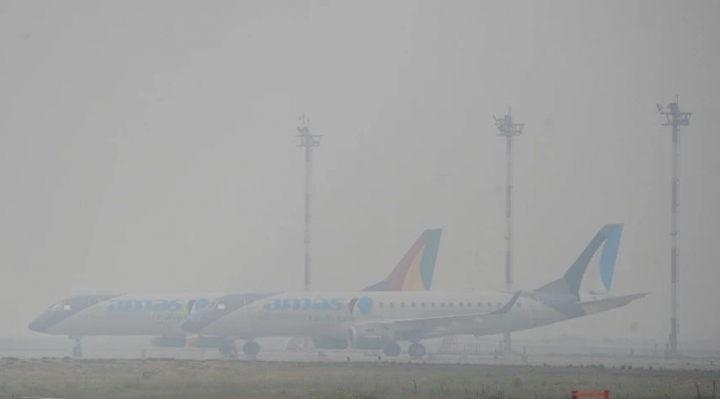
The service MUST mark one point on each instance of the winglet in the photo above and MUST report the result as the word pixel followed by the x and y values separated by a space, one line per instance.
pixel 506 308
pixel 415 270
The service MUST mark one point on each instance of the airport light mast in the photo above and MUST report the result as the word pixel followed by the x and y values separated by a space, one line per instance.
pixel 675 118
pixel 509 129
pixel 307 140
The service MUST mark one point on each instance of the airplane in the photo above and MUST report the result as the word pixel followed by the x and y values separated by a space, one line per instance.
pixel 379 320
pixel 162 315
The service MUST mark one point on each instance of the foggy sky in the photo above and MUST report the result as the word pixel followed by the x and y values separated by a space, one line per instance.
pixel 149 147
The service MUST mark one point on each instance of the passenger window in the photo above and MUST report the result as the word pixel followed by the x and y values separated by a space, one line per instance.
pixel 479 304
pixel 392 305
pixel 442 304
pixel 489 304
pixel 461 304
pixel 402 304
pixel 422 305
pixel 469 304
pixel 432 305
pixel 413 305
pixel 451 304
pixel 382 305
pixel 499 304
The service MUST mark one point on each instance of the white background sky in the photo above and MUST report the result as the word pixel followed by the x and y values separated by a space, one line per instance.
pixel 149 146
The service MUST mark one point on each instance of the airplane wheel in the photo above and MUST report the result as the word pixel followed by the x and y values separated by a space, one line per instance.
pixel 392 349
pixel 416 350
pixel 228 350
pixel 251 349
pixel 233 353
pixel 77 352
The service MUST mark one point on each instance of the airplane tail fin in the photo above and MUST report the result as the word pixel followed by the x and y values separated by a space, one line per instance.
pixel 415 270
pixel 609 239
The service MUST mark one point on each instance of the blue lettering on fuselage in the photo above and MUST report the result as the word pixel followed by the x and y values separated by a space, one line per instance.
pixel 287 304
pixel 151 305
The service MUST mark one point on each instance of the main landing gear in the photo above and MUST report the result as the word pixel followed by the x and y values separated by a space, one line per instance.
pixel 416 350
pixel 251 349
pixel 228 350
pixel 391 349
pixel 77 352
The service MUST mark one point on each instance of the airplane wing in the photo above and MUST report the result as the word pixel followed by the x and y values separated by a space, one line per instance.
pixel 408 327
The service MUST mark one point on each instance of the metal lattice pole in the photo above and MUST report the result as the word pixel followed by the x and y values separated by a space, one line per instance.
pixel 509 129
pixel 675 118
pixel 307 140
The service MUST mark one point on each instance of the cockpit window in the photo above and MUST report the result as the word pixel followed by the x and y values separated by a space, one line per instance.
pixel 66 307
pixel 56 306
pixel 221 306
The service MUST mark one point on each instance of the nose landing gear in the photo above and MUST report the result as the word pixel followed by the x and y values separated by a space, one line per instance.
pixel 77 352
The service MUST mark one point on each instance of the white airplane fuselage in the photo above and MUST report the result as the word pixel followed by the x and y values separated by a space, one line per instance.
pixel 132 314
pixel 291 314
pixel 356 318
pixel 163 314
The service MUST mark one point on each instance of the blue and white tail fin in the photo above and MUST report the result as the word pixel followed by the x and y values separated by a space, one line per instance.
pixel 599 274
pixel 603 266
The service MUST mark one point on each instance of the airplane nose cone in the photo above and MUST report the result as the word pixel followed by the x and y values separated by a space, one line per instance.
pixel 46 321
pixel 198 322
pixel 193 326
pixel 38 325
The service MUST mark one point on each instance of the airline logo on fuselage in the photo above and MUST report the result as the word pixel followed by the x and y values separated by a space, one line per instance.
pixel 364 304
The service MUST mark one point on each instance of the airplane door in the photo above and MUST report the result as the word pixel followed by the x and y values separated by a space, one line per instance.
pixel 351 306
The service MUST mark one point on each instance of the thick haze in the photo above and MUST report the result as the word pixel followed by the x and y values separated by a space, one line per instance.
pixel 149 147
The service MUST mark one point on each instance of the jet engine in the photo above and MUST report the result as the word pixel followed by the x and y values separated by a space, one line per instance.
pixel 169 342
